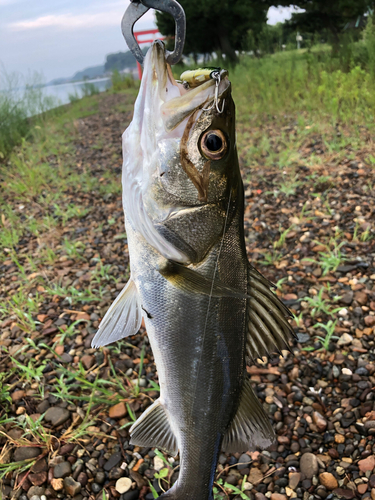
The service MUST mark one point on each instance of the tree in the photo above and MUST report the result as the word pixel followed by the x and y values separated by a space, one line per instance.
pixel 217 25
pixel 331 15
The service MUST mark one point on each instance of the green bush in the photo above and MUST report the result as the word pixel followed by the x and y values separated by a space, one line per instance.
pixel 18 102
pixel 369 40
pixel 121 82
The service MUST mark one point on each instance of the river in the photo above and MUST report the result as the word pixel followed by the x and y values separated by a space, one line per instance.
pixel 64 91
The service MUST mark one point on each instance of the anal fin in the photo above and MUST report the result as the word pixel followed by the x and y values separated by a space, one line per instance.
pixel 153 429
pixel 268 329
pixel 250 427
pixel 122 319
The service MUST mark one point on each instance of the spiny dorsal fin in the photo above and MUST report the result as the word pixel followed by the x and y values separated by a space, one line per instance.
pixel 122 319
pixel 250 427
pixel 153 429
pixel 267 327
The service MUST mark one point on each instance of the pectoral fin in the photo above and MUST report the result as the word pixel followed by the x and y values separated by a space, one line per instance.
pixel 268 329
pixel 250 427
pixel 192 281
pixel 153 429
pixel 122 319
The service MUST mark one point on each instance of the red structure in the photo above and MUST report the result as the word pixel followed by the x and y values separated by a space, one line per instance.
pixel 137 34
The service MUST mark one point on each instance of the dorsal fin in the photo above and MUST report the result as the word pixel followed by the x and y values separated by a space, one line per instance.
pixel 122 319
pixel 153 429
pixel 250 427
pixel 268 329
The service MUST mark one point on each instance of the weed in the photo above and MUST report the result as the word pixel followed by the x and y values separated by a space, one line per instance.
pixel 324 341
pixel 319 304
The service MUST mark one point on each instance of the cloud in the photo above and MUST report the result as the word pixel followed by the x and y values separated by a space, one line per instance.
pixel 75 21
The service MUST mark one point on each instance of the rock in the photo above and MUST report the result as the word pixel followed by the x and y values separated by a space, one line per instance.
pixel 26 452
pixel 339 438
pixel 345 339
pixel 40 466
pixel 347 298
pixel 367 464
pixel 95 487
pixel 57 484
pixel 62 470
pixel 17 395
pixel 138 479
pixel 159 464
pixel 123 484
pixel 294 479
pixel 112 461
pixel 362 488
pixel 56 415
pixel 43 406
pixel 72 487
pixel 131 495
pixel 99 477
pixel 35 497
pixel 278 496
pixel 35 491
pixel 118 411
pixel 255 475
pixel 370 320
pixel 88 361
pixel 38 478
pixel 344 493
pixel 328 480
pixel 83 479
pixel 243 461
pixel 361 298
pixel 319 421
pixel 309 465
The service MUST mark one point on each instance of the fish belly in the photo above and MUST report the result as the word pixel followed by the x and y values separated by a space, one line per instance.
pixel 198 346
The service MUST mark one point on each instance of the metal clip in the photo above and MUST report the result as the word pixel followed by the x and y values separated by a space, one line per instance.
pixel 137 9
pixel 216 75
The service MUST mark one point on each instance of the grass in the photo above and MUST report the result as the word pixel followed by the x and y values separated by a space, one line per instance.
pixel 46 196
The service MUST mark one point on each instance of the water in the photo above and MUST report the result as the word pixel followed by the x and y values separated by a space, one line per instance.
pixel 60 93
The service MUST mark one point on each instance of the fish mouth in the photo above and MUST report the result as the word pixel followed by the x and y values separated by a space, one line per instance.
pixel 178 101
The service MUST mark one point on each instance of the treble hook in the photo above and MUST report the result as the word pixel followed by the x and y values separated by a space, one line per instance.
pixel 216 75
pixel 137 9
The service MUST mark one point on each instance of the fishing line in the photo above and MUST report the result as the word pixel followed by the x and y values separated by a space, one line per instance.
pixel 211 291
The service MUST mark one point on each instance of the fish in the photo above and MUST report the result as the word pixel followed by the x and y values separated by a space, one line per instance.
pixel 208 312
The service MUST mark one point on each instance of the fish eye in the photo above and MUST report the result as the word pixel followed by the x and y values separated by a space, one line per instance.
pixel 213 144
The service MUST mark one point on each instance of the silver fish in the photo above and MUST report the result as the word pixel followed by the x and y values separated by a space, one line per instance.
pixel 207 310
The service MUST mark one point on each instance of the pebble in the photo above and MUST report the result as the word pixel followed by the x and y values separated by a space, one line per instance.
pixel 367 464
pixel 123 484
pixel 112 461
pixel 62 470
pixel 345 339
pixel 26 452
pixel 309 465
pixel 328 480
pixel 131 495
pixel 35 490
pixel 243 461
pixel 294 479
pixel 159 463
pixel 255 475
pixel 319 421
pixel 118 411
pixel 71 486
pixel 57 484
pixel 56 416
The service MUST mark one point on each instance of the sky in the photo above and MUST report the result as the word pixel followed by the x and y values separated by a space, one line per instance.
pixel 59 37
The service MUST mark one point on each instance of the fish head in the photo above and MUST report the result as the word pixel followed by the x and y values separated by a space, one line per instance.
pixel 180 157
